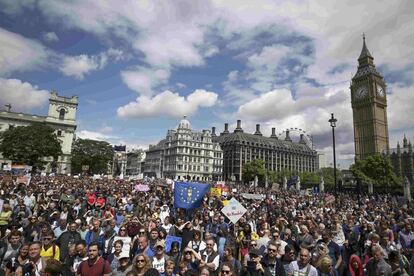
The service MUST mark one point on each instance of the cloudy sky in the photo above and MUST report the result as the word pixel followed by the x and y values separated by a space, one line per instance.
pixel 139 66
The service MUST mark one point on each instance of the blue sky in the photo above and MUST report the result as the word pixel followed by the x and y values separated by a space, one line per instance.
pixel 139 66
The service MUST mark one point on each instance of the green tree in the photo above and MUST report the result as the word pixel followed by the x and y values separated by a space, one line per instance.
pixel 328 176
pixel 30 145
pixel 254 168
pixel 95 154
pixel 309 178
pixel 378 170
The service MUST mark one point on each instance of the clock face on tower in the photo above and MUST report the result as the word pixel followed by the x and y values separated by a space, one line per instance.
pixel 380 91
pixel 361 92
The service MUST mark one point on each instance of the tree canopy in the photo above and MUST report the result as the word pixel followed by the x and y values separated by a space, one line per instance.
pixel 254 168
pixel 30 144
pixel 91 153
pixel 378 170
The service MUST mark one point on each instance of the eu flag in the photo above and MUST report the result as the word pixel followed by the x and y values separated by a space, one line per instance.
pixel 189 195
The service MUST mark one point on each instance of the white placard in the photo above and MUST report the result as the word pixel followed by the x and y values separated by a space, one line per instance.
pixel 233 210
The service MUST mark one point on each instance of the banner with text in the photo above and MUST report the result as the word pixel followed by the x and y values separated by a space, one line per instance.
pixel 233 210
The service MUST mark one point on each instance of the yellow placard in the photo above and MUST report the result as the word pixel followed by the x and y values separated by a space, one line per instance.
pixel 215 192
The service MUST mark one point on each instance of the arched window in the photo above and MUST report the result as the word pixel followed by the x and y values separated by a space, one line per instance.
pixel 62 114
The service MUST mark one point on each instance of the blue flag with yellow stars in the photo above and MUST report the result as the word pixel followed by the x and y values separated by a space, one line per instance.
pixel 189 195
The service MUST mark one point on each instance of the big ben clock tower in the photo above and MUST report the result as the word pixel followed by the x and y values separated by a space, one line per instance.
pixel 369 106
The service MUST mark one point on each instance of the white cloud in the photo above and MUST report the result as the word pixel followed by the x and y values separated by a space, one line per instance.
pixel 22 96
pixel 400 108
pixel 269 57
pixel 50 37
pixel 106 129
pixel 168 104
pixel 81 65
pixel 19 54
pixel 274 104
pixel 78 66
pixel 94 135
pixel 144 80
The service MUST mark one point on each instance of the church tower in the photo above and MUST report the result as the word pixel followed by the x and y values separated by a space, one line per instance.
pixel 369 106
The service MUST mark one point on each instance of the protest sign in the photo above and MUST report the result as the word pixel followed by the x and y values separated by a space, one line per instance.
pixel 215 192
pixel 142 188
pixel 225 191
pixel 169 240
pixel 253 196
pixel 233 210
pixel 25 179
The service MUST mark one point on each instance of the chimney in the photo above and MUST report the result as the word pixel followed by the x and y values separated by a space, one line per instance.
pixel 258 130
pixel 213 132
pixel 226 129
pixel 287 138
pixel 273 133
pixel 238 128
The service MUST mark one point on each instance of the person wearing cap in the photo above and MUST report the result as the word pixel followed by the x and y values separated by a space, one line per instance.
pixel 124 265
pixel 255 266
pixel 159 259
pixel 302 266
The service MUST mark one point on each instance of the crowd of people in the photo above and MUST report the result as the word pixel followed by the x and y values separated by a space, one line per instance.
pixel 63 225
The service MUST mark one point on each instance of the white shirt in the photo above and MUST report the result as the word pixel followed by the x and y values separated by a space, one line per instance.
pixel 158 264
pixel 294 270
pixel 127 243
pixel 215 261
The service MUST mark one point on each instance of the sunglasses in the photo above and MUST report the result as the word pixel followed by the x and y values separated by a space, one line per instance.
pixel 188 252
pixel 271 250
pixel 253 244
pixel 140 261
pixel 47 239
pixel 122 229
pixel 225 271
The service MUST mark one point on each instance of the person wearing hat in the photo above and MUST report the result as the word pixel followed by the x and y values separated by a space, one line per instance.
pixel 159 259
pixel 255 266
pixel 124 265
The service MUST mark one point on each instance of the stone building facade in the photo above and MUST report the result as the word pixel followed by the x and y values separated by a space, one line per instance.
pixel 61 116
pixel 402 160
pixel 185 154
pixel 240 148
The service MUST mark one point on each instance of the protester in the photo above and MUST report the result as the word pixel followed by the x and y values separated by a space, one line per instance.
pixel 94 265
pixel 302 265
pixel 333 235
pixel 15 262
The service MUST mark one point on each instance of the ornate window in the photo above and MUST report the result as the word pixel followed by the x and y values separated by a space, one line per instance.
pixel 62 112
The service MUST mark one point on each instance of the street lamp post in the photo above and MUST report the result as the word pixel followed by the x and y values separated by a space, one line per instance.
pixel 333 121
